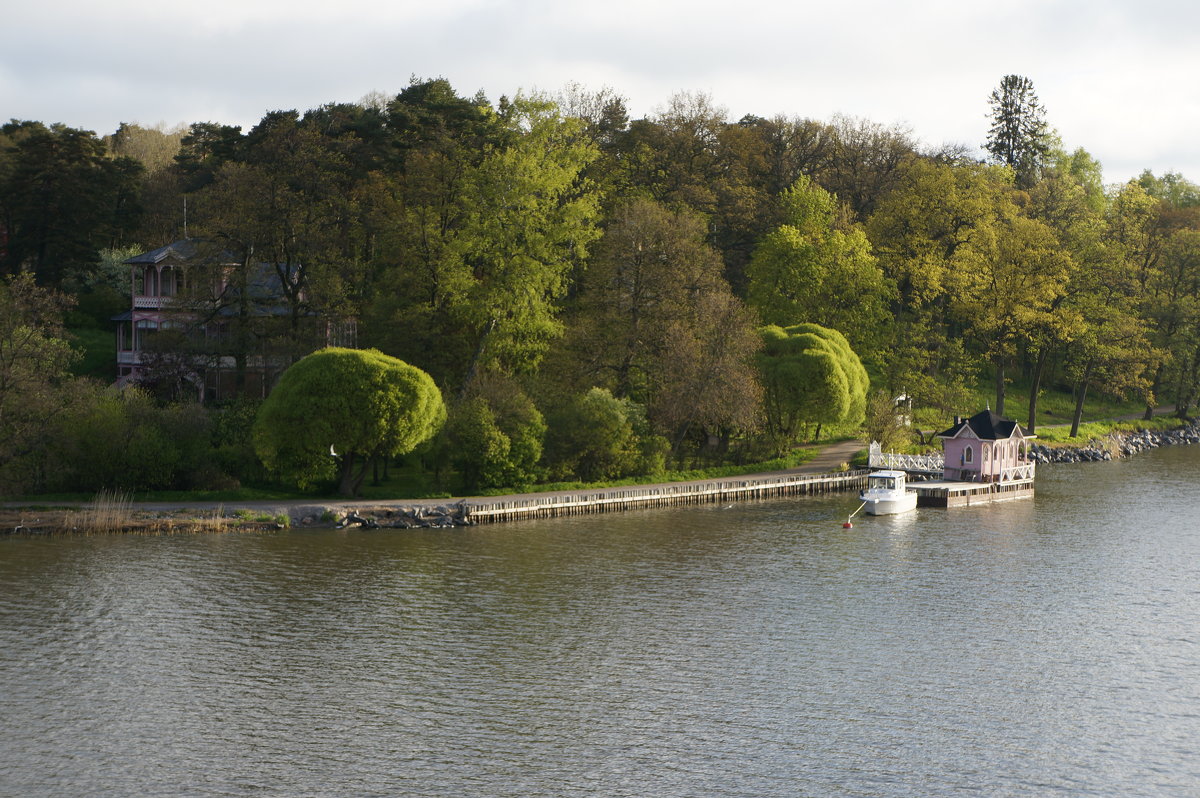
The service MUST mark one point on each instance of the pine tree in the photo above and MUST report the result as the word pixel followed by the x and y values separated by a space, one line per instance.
pixel 1018 136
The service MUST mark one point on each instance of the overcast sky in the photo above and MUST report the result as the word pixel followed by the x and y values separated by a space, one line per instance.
pixel 1118 78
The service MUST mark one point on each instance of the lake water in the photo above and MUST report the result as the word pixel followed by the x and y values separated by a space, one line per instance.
pixel 1043 647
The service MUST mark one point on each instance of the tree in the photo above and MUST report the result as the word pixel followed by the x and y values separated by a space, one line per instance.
pixel 154 148
pixel 1018 136
pixel 35 363
pixel 657 323
pixel 483 246
pixel 1070 201
pixel 592 437
pixel 811 269
pixel 867 160
pixel 644 276
pixel 1113 354
pixel 62 200
pixel 285 205
pixel 810 376
pixel 529 218
pixel 496 435
pixel 345 406
pixel 1014 291
pixel 931 232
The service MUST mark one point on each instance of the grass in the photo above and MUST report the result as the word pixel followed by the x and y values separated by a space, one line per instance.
pixel 249 516
pixel 1060 435
pixel 107 510
pixel 97 350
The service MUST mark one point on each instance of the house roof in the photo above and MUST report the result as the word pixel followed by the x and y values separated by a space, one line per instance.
pixel 184 249
pixel 987 426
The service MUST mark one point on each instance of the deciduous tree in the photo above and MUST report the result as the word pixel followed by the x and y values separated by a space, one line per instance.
pixel 345 407
pixel 810 376
pixel 813 269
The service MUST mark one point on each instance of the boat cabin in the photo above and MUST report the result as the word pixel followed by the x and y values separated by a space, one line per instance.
pixel 886 480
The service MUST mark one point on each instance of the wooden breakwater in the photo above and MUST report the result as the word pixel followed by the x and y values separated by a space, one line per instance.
pixel 613 499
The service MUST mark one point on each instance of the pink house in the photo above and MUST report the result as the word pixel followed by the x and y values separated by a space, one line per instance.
pixel 986 448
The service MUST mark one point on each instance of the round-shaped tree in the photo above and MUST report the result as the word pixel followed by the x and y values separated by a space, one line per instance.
pixel 810 376
pixel 338 408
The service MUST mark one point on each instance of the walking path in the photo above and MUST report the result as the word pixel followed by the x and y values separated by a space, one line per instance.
pixel 831 458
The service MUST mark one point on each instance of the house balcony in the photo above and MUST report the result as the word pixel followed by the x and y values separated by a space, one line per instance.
pixel 143 302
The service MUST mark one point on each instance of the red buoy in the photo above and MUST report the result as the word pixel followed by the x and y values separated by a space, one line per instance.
pixel 847 525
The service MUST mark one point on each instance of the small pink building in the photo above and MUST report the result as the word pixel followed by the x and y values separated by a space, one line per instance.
pixel 986 448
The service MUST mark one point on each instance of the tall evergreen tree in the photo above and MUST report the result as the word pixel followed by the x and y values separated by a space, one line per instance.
pixel 1018 136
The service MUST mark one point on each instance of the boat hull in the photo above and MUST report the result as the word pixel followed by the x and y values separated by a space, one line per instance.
pixel 890 504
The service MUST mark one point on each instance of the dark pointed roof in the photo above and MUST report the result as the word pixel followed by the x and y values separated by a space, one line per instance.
pixel 987 426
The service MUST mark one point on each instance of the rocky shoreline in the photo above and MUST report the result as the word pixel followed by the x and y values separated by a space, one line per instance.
pixel 1116 445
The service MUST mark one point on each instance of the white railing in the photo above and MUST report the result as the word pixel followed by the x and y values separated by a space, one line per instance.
pixel 1019 471
pixel 916 463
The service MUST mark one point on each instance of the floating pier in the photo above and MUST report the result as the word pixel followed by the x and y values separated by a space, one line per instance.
pixel 613 499
pixel 942 493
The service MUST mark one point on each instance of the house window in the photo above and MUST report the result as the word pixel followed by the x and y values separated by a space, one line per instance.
pixel 143 330
pixel 969 455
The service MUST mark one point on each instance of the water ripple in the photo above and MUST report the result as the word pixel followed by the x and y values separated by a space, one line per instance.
pixel 1032 648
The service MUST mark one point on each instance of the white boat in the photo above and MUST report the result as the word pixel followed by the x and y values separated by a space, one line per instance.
pixel 886 493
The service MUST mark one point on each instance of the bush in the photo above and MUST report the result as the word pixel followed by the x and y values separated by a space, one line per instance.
pixel 593 438
pixel 495 437
pixel 120 439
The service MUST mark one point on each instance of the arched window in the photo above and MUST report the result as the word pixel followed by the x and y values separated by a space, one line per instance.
pixel 969 455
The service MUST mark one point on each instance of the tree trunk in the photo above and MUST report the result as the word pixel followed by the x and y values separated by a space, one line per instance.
pixel 1035 386
pixel 999 388
pixel 1080 396
pixel 351 478
pixel 474 367
pixel 1154 386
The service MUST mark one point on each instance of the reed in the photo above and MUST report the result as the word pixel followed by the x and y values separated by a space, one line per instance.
pixel 109 511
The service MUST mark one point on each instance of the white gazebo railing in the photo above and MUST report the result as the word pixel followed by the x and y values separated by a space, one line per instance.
pixel 912 463
pixel 1021 471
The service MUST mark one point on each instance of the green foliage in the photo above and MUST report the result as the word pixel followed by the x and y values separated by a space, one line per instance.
pixel 345 405
pixel 810 270
pixel 1018 136
pixel 62 200
pixel 121 439
pixel 35 382
pixel 593 438
pixel 496 438
pixel 233 443
pixel 811 376
pixel 883 423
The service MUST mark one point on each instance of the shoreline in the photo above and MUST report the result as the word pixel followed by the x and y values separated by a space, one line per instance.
pixel 1117 445
pixel 173 518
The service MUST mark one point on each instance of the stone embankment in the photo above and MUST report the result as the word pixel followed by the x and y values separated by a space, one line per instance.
pixel 438 517
pixel 1116 445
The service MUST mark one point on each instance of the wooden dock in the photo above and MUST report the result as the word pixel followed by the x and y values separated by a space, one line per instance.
pixel 480 511
pixel 943 493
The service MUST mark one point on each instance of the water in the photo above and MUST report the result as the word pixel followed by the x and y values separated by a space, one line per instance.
pixel 1045 647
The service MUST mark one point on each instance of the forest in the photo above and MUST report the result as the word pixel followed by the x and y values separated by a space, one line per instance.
pixel 595 297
